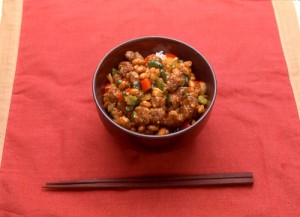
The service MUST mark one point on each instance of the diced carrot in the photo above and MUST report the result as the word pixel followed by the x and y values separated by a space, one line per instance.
pixel 169 55
pixel 197 84
pixel 148 57
pixel 146 84
pixel 120 98
pixel 107 87
pixel 186 125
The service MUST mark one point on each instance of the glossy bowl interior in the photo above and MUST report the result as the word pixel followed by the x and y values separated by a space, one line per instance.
pixel 148 45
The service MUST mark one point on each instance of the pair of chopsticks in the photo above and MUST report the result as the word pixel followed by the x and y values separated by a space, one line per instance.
pixel 224 179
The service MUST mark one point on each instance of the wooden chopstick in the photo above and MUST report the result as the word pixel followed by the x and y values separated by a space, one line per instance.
pixel 245 178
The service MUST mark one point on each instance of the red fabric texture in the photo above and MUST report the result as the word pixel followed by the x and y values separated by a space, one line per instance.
pixel 54 132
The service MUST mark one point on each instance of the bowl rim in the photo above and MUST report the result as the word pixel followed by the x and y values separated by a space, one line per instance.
pixel 145 136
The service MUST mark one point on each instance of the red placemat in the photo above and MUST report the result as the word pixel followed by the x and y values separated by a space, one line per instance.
pixel 54 133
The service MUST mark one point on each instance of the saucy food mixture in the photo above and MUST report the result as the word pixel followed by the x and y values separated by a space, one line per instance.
pixel 156 95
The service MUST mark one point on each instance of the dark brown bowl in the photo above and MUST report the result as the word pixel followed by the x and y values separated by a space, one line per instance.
pixel 146 46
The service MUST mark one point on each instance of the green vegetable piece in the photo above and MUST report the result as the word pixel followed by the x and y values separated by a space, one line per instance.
pixel 159 82
pixel 129 108
pixel 163 74
pixel 139 97
pixel 137 85
pixel 202 100
pixel 133 116
pixel 118 82
pixel 155 64
pixel 168 99
pixel 131 100
pixel 186 79
pixel 114 71
pixel 173 65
